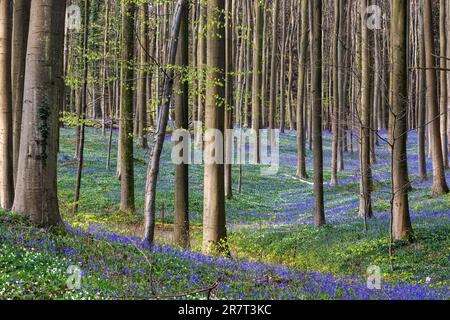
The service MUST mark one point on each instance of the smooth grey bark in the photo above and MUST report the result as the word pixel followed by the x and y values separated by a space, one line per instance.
pixel 422 108
pixel 6 129
pixel 21 21
pixel 365 207
pixel 214 225
pixel 336 98
pixel 36 189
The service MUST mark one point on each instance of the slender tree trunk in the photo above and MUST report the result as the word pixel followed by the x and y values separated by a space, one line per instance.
pixel 181 228
pixel 336 99
pixel 443 80
pixel 343 116
pixel 126 114
pixel 302 40
pixel 290 45
pixel 150 87
pixel 21 21
pixel 448 76
pixel 283 69
pixel 6 129
pixel 201 63
pixel 104 67
pixel 401 221
pixel 422 103
pixel 365 208
pixel 264 71
pixel 374 98
pixel 316 93
pixel 241 76
pixel 439 183
pixel 83 108
pixel 257 75
pixel 273 66
pixel 229 103
pixel 141 103
pixel 248 74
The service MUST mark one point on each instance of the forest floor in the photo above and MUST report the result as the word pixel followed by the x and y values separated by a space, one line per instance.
pixel 276 251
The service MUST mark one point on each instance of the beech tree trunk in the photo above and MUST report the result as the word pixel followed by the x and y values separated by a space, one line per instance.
pixel 126 114
pixel 229 93
pixel 439 183
pixel 282 71
pixel 302 40
pixel 6 129
pixel 273 67
pixel 181 223
pixel 21 21
pixel 422 100
pixel 248 75
pixel 257 75
pixel 443 80
pixel 316 93
pixel 141 101
pixel 36 192
pixel 336 98
pixel 401 223
pixel 201 63
pixel 365 208
pixel 214 227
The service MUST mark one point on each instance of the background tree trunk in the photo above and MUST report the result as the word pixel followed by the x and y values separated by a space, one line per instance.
pixel 229 94
pixel 141 101
pixel 282 72
pixel 365 208
pixel 422 99
pixel 83 108
pixel 439 183
pixel 302 40
pixel 316 93
pixel 336 99
pixel 443 80
pixel 257 75
pixel 126 114
pixel 201 63
pixel 181 227
pixel 273 66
